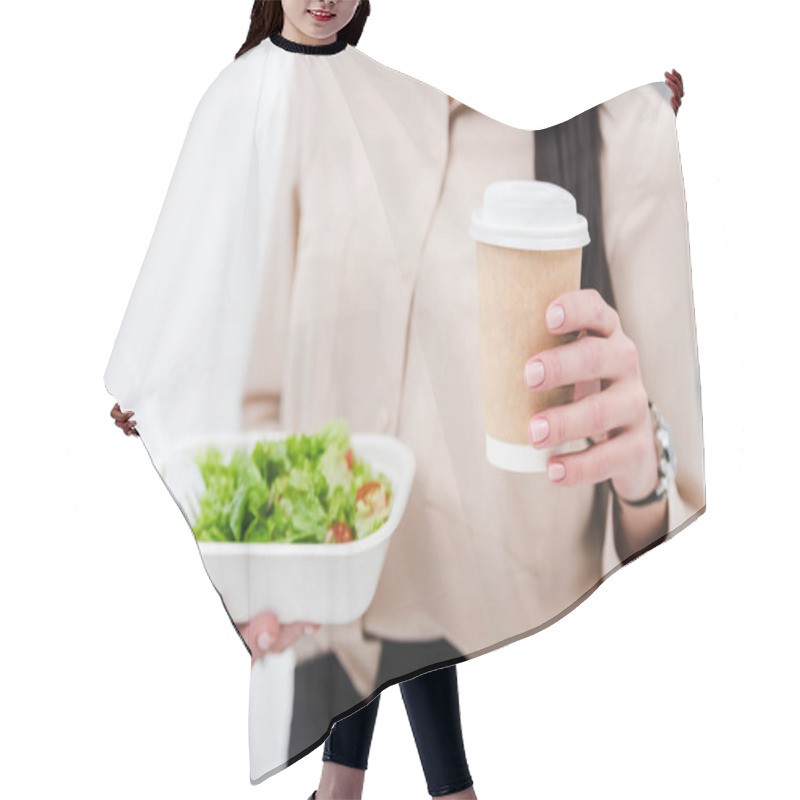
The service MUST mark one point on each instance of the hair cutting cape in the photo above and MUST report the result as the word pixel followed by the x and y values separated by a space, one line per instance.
pixel 302 351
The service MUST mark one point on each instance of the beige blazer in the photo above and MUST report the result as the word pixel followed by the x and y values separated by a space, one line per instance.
pixel 369 310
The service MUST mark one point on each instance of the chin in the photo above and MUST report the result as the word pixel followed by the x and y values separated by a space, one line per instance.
pixel 315 34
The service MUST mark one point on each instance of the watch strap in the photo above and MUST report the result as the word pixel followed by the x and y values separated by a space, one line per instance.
pixel 665 461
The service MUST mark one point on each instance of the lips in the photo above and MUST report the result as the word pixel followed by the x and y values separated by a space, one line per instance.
pixel 321 15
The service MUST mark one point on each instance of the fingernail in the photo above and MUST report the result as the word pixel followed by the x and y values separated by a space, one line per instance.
pixel 556 471
pixel 554 316
pixel 540 428
pixel 265 641
pixel 534 373
pixel 309 628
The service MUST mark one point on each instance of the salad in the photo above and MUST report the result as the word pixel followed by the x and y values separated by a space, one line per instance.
pixel 301 489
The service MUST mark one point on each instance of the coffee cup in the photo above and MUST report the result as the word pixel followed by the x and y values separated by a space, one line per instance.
pixel 529 241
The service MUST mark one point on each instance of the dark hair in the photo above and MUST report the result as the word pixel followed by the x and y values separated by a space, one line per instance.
pixel 569 154
pixel 266 18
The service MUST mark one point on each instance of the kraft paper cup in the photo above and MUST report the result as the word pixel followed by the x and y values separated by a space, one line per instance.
pixel 529 239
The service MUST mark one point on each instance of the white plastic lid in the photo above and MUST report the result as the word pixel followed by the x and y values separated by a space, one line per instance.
pixel 525 457
pixel 529 215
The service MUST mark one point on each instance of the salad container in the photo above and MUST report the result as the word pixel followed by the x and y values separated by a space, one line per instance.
pixel 331 583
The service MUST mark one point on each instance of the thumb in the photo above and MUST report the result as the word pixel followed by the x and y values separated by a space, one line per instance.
pixel 261 633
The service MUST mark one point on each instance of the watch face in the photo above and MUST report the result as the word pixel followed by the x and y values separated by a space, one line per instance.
pixel 668 457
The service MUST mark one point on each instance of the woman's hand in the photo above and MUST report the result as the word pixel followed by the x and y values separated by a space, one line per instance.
pixel 124 420
pixel 263 634
pixel 675 82
pixel 610 405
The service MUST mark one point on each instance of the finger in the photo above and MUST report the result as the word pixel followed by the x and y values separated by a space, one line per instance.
pixel 585 359
pixel 621 406
pixel 675 89
pixel 261 633
pixel 600 462
pixel 290 633
pixel 585 388
pixel 675 77
pixel 119 415
pixel 579 309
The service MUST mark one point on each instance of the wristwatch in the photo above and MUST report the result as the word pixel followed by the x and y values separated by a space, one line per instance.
pixel 667 460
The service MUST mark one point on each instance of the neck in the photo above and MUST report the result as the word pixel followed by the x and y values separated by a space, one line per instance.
pixel 294 34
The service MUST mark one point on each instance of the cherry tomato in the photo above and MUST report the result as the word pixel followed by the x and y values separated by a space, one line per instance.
pixel 338 533
pixel 373 495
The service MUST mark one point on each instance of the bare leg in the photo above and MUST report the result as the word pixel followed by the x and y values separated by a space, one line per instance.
pixel 339 782
pixel 345 783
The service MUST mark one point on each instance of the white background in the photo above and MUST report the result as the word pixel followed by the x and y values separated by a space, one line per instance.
pixel 121 675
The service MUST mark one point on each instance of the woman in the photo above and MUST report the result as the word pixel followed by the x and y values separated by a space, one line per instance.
pixel 631 473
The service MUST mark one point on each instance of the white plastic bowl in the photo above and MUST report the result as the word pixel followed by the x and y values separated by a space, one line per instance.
pixel 320 583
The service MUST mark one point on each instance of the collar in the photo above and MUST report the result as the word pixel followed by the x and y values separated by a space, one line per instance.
pixel 309 49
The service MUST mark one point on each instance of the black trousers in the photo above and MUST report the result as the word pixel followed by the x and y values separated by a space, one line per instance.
pixel 431 701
